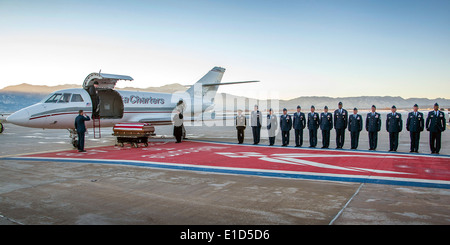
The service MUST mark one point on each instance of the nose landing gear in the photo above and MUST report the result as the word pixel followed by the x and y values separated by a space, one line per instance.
pixel 74 136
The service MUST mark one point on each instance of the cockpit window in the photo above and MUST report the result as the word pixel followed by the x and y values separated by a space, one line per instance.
pixel 59 98
pixel 54 98
pixel 77 98
pixel 65 98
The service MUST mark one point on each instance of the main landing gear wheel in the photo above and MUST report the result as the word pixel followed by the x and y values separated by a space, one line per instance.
pixel 74 137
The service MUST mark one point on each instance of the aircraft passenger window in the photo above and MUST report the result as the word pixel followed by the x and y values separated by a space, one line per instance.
pixel 77 98
pixel 64 98
pixel 54 98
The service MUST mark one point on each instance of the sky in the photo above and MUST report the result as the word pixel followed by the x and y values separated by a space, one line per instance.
pixel 335 48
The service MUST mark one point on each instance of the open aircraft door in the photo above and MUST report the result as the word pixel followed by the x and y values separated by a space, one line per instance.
pixel 110 102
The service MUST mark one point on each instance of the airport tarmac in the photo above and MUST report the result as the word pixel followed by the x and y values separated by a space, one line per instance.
pixel 53 192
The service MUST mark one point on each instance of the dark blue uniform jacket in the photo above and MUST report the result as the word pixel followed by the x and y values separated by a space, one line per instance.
pixel 313 120
pixel 326 121
pixel 373 122
pixel 79 123
pixel 340 119
pixel 299 120
pixel 394 123
pixel 355 124
pixel 436 123
pixel 285 122
pixel 415 123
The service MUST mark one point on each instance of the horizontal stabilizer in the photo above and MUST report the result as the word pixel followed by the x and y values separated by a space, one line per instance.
pixel 230 83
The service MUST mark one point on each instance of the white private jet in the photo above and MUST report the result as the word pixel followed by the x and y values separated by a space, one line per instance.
pixel 59 109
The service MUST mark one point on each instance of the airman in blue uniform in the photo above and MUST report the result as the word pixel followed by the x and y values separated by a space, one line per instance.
pixel 285 126
pixel 436 125
pixel 415 124
pixel 81 129
pixel 373 126
pixel 355 125
pixel 394 125
pixel 326 125
pixel 340 124
pixel 299 123
pixel 313 125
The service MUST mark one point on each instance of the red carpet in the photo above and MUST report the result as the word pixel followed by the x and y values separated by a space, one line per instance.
pixel 278 161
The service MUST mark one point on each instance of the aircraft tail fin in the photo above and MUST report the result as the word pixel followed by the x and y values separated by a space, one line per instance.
pixel 212 77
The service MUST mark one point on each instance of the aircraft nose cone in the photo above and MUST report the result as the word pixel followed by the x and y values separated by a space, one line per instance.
pixel 20 117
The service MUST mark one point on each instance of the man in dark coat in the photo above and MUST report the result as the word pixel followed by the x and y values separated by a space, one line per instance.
pixel 415 124
pixel 394 125
pixel 313 125
pixel 326 125
pixel 373 126
pixel 436 125
pixel 81 129
pixel 256 123
pixel 285 126
pixel 355 125
pixel 299 123
pixel 178 126
pixel 93 92
pixel 340 124
pixel 241 124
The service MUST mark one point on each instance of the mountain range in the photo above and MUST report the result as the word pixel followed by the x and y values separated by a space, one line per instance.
pixel 13 98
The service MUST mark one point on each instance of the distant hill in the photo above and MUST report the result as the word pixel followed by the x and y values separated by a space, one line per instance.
pixel 13 98
pixel 36 89
pixel 14 101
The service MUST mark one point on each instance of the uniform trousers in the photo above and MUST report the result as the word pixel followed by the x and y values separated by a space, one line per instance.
pixel 178 133
pixel 240 134
pixel 298 137
pixel 415 139
pixel 313 137
pixel 272 140
pixel 354 139
pixel 340 137
pixel 285 137
pixel 325 138
pixel 256 134
pixel 393 141
pixel 435 142
pixel 373 140
pixel 80 141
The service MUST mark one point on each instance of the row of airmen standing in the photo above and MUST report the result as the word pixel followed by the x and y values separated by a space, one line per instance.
pixel 341 120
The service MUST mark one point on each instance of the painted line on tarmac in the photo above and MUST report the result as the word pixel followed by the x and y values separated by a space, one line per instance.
pixel 346 204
